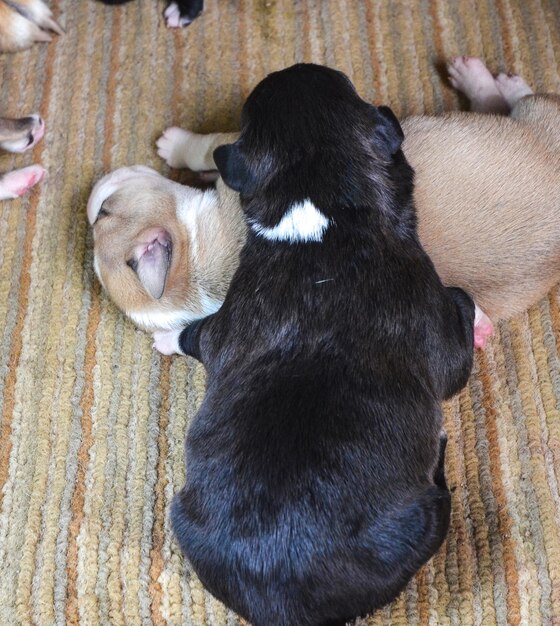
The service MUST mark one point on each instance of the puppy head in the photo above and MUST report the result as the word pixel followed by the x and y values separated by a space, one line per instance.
pixel 304 120
pixel 141 248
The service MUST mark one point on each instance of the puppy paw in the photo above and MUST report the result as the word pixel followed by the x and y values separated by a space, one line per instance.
pixel 22 134
pixel 483 328
pixel 17 32
pixel 172 146
pixel 38 12
pixel 173 17
pixel 36 131
pixel 470 76
pixel 17 183
pixel 512 88
pixel 167 341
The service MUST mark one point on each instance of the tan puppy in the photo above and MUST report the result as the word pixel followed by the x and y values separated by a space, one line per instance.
pixel 25 22
pixel 165 252
pixel 487 196
pixel 487 190
pixel 20 135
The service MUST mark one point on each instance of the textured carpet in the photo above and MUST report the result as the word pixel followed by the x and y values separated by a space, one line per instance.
pixel 92 421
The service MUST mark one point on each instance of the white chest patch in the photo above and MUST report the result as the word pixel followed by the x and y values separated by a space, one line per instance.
pixel 303 222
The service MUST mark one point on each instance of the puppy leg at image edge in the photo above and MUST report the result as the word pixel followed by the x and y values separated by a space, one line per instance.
pixel 17 183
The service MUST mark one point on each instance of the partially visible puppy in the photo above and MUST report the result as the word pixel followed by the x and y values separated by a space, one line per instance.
pixel 25 22
pixel 179 13
pixel 315 485
pixel 165 252
pixel 487 189
pixel 19 135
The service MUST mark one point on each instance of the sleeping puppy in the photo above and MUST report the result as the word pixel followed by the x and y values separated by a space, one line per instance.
pixel 179 13
pixel 19 135
pixel 315 485
pixel 165 252
pixel 25 22
pixel 487 188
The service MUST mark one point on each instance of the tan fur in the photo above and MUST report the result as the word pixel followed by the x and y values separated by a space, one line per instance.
pixel 205 248
pixel 25 22
pixel 487 194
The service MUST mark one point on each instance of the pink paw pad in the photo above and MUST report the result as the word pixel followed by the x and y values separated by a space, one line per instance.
pixel 483 328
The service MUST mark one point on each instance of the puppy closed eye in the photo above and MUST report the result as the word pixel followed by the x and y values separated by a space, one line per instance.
pixel 102 213
pixel 133 264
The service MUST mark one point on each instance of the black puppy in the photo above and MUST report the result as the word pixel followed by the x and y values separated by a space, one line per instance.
pixel 314 485
pixel 178 13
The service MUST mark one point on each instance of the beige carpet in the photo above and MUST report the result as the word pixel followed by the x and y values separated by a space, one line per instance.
pixel 92 421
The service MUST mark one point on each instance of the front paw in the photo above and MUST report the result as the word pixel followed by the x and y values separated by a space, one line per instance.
pixel 167 341
pixel 172 146
pixel 37 11
pixel 19 33
pixel 173 17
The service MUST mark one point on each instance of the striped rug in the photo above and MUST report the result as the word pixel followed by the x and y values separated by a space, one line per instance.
pixel 92 421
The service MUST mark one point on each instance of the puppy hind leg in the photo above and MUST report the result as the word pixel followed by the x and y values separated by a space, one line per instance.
pixel 512 88
pixel 470 76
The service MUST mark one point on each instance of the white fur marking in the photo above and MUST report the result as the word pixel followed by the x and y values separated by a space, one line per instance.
pixel 168 319
pixel 192 206
pixel 303 222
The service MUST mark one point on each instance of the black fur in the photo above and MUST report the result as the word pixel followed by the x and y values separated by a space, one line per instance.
pixel 315 483
pixel 189 9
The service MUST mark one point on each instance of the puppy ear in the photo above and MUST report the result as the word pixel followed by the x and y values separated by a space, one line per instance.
pixel 152 265
pixel 388 132
pixel 232 167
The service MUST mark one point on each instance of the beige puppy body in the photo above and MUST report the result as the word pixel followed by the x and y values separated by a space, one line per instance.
pixel 164 252
pixel 487 191
pixel 487 194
